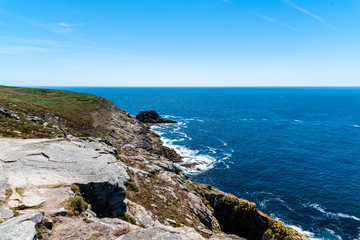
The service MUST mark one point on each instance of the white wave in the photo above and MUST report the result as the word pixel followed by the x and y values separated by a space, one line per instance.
pixel 224 143
pixel 338 215
pixel 200 162
pixel 169 116
pixel 227 156
pixel 333 233
pixel 263 203
pixel 185 135
pixel 343 215
pixel 296 120
pixel 356 126
pixel 213 150
pixel 306 233
pixel 317 207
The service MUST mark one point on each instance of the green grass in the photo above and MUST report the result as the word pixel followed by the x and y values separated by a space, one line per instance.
pixel 73 109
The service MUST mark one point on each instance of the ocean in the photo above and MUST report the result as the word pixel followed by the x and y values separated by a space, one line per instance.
pixel 295 152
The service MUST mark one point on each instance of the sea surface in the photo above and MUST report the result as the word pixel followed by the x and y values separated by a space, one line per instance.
pixel 295 152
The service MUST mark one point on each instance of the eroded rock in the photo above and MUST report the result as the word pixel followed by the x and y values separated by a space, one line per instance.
pixel 44 169
pixel 21 228
pixel 152 117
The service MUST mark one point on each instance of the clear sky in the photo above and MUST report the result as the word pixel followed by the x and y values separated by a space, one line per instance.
pixel 180 42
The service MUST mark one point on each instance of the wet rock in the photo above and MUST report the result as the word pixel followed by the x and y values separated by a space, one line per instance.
pixel 152 117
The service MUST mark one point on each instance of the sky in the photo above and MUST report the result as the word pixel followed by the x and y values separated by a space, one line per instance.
pixel 180 43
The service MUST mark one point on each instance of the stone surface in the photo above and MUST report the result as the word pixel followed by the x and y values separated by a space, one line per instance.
pixel 21 228
pixel 152 117
pixel 43 168
pixel 156 233
pixel 5 213
pixel 57 212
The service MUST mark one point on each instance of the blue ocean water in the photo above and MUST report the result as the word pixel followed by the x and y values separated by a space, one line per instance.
pixel 295 152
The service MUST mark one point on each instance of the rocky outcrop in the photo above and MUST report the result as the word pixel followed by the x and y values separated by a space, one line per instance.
pixel 120 128
pixel 241 217
pixel 119 182
pixel 154 234
pixel 41 172
pixel 152 117
pixel 21 228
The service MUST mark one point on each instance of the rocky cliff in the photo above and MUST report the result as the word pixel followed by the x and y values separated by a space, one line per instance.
pixel 92 171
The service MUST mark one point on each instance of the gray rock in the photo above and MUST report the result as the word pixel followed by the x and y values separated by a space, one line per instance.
pixel 35 163
pixel 21 228
pixel 129 146
pixel 5 213
pixel 57 212
pixel 156 233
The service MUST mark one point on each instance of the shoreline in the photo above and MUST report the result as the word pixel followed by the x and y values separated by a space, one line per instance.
pixel 119 173
pixel 190 172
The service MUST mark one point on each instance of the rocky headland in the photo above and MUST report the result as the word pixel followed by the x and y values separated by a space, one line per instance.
pixel 152 117
pixel 75 166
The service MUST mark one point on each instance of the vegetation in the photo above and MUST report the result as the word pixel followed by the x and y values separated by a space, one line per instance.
pixel 122 231
pixel 8 193
pixel 20 191
pixel 129 219
pixel 132 187
pixel 76 205
pixel 71 110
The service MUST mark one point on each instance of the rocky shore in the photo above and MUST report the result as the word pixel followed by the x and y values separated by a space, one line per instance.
pixel 109 177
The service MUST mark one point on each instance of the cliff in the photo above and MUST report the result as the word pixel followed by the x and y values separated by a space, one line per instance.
pixel 75 166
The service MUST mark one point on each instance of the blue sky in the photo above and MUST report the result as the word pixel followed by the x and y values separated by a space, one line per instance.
pixel 180 43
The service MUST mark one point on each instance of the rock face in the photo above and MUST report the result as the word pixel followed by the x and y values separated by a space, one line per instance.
pixel 40 171
pixel 152 117
pixel 131 183
pixel 21 228
pixel 241 217
pixel 156 233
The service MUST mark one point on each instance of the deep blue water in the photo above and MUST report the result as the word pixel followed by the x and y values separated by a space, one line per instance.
pixel 295 152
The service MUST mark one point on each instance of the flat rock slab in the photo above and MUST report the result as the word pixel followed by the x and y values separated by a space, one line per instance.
pixel 156 233
pixel 59 161
pixel 21 228
pixel 42 169
pixel 5 213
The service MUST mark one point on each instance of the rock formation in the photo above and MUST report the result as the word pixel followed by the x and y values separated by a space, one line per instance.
pixel 115 180
pixel 152 117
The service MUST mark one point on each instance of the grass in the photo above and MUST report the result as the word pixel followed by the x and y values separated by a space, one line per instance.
pixel 122 231
pixel 129 219
pixel 8 193
pixel 20 191
pixel 132 187
pixel 76 205
pixel 73 110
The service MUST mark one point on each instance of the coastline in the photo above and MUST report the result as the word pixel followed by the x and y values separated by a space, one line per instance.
pixel 193 170
pixel 145 188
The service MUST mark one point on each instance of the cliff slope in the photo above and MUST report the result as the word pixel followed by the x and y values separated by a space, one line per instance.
pixel 92 171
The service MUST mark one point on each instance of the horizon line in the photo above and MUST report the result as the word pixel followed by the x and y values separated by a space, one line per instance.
pixel 280 86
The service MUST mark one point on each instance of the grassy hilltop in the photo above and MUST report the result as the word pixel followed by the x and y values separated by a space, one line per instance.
pixel 54 107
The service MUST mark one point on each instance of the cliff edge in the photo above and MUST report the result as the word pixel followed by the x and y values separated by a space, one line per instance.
pixel 75 166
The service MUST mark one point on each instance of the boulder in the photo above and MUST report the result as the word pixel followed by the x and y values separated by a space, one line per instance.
pixel 21 228
pixel 5 213
pixel 152 117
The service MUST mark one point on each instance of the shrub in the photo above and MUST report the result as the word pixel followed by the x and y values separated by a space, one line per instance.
pixel 122 231
pixel 76 205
